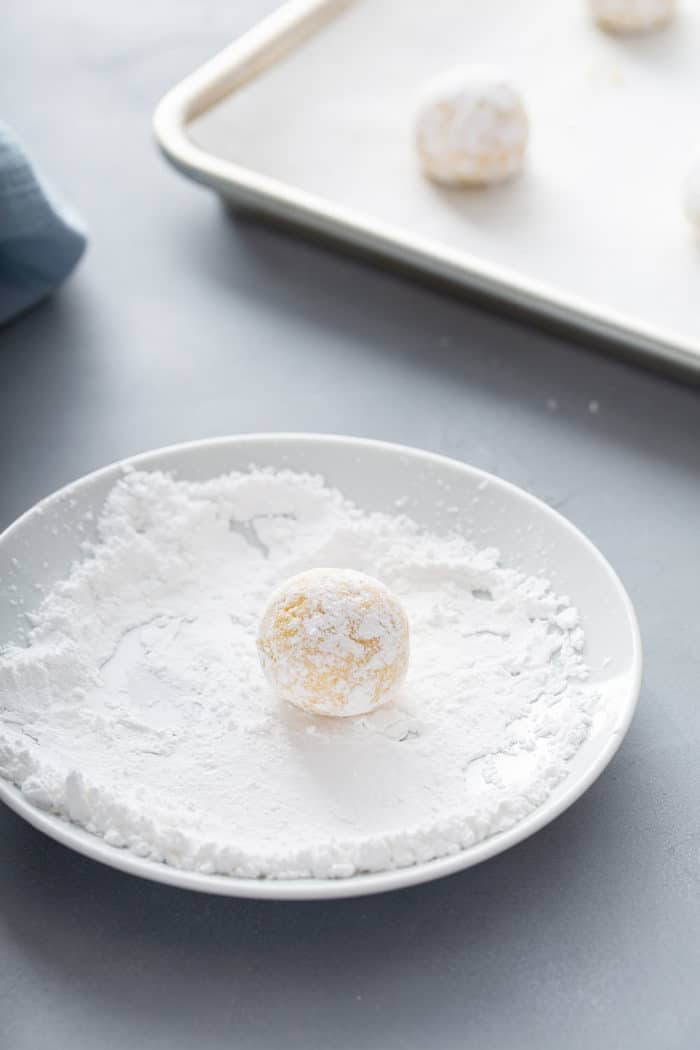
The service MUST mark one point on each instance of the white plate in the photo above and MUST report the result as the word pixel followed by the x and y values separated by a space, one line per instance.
pixel 41 546
pixel 309 117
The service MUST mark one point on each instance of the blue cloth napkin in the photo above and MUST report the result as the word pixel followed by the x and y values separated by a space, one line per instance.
pixel 41 239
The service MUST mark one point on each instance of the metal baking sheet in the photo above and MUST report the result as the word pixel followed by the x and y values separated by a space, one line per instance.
pixel 308 117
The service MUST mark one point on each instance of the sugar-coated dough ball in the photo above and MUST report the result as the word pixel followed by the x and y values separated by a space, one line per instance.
pixel 471 127
pixel 334 642
pixel 691 192
pixel 632 16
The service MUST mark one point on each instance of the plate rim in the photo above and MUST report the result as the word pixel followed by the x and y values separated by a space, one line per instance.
pixel 95 848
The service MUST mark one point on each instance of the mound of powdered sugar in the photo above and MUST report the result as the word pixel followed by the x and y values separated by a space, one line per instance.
pixel 138 709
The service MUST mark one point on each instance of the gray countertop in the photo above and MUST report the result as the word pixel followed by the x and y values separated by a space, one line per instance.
pixel 184 323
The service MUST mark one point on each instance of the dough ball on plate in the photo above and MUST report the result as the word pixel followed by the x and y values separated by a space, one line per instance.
pixel 334 642
pixel 471 127
pixel 632 16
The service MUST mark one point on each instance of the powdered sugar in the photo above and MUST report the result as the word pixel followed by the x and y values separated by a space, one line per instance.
pixel 139 711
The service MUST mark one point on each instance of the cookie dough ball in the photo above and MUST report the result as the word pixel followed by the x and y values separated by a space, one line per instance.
pixel 691 192
pixel 471 128
pixel 632 16
pixel 334 642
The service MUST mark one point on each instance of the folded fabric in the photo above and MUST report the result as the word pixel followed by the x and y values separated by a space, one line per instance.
pixel 41 239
